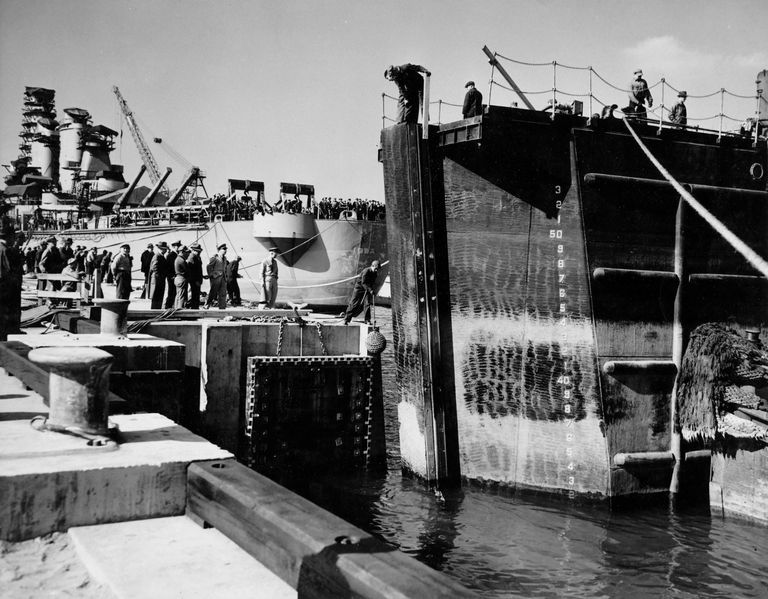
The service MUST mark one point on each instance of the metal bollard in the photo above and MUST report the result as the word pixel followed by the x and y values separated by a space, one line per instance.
pixel 114 316
pixel 79 387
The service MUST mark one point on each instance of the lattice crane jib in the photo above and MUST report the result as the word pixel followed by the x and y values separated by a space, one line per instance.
pixel 144 152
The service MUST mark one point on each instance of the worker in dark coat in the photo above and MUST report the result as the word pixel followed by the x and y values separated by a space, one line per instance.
pixel 158 276
pixel 11 273
pixel 170 274
pixel 473 101
pixel 679 114
pixel 51 262
pixel 194 275
pixel 233 289
pixel 121 271
pixel 146 258
pixel 180 267
pixel 362 294
pixel 217 274
pixel 410 85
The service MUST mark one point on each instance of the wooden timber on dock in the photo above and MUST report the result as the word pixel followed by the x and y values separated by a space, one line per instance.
pixel 53 482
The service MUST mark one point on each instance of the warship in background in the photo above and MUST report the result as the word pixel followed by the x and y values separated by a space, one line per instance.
pixel 64 183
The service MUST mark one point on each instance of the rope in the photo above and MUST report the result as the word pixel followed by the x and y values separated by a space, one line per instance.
pixel 748 253
pixel 140 325
pixel 352 278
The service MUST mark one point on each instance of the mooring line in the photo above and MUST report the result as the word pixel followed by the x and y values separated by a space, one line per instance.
pixel 747 252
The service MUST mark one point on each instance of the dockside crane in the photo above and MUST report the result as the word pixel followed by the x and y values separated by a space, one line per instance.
pixel 146 155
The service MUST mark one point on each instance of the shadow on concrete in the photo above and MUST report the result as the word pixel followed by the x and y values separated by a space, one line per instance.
pixel 320 576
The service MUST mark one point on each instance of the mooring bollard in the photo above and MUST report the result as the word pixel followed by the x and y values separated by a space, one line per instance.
pixel 79 387
pixel 114 316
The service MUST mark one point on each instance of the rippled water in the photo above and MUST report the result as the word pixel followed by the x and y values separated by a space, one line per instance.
pixel 506 546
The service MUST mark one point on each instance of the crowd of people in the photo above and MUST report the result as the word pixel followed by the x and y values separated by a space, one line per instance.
pixel 333 208
pixel 172 274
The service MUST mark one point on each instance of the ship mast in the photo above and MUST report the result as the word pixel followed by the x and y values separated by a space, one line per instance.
pixel 146 155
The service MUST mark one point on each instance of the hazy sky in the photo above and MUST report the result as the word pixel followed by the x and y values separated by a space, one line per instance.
pixel 291 90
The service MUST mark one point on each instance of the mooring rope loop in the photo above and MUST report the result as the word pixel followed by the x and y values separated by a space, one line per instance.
pixel 747 252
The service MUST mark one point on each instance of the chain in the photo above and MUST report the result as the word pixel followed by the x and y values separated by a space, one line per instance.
pixel 319 328
pixel 280 336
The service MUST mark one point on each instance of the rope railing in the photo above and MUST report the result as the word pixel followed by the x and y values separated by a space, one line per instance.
pixel 663 90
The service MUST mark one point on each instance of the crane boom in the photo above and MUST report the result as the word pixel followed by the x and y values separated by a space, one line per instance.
pixel 146 155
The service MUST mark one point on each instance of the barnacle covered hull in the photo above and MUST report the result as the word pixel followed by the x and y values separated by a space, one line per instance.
pixel 533 277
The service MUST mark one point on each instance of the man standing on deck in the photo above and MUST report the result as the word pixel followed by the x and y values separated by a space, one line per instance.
pixel 269 278
pixel 638 95
pixel 233 289
pixel 146 258
pixel 217 274
pixel 170 274
pixel 181 268
pixel 121 271
pixel 411 86
pixel 679 114
pixel 51 262
pixel 157 276
pixel 194 275
pixel 362 295
pixel 473 101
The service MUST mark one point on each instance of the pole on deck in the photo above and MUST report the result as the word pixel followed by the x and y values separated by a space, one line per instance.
pixel 492 57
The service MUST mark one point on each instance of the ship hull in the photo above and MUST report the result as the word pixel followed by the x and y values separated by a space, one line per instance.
pixel 533 328
pixel 322 276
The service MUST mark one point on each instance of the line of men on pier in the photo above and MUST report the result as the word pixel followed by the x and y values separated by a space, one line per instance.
pixel 173 275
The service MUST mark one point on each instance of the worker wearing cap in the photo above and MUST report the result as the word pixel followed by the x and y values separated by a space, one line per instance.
pixel 269 278
pixel 146 258
pixel 157 275
pixel 233 288
pixel 121 271
pixel 679 114
pixel 411 86
pixel 639 94
pixel 473 101
pixel 51 262
pixel 194 275
pixel 170 274
pixel 180 279
pixel 217 273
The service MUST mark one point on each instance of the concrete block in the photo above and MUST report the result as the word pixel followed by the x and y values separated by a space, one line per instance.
pixel 168 558
pixel 51 481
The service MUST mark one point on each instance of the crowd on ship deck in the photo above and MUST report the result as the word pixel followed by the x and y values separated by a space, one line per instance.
pixel 364 209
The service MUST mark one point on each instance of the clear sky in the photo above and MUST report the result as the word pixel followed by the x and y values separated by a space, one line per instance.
pixel 291 90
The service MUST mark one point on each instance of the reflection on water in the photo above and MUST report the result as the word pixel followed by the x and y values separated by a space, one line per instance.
pixel 536 547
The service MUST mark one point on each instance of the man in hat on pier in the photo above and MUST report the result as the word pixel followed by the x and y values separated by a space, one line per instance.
pixel 473 101
pixel 362 294
pixel 269 278
pixel 121 271
pixel 146 258
pixel 194 275
pixel 233 289
pixel 217 274
pixel 411 87
pixel 679 115
pixel 170 274
pixel 157 276
pixel 51 262
pixel 180 281
pixel 639 94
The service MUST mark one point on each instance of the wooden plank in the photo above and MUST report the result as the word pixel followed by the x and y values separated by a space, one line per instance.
pixel 222 395
pixel 36 378
pixel 144 314
pixel 317 553
pixel 60 294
